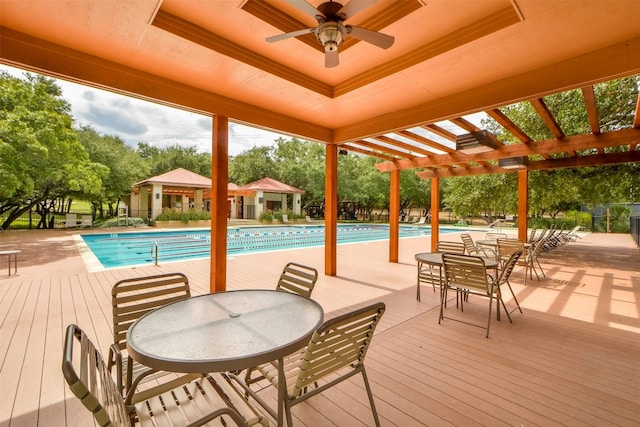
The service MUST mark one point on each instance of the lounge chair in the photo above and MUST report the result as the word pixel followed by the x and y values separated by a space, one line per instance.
pixel 71 220
pixel 309 219
pixel 87 221
pixel 335 352
pixel 285 219
pixel 196 403
pixel 423 220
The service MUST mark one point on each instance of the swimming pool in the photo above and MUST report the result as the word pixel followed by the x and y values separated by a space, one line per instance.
pixel 135 248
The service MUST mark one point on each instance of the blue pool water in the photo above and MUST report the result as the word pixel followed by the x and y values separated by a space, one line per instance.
pixel 135 248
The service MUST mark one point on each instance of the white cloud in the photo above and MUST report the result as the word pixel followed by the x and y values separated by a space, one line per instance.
pixel 135 120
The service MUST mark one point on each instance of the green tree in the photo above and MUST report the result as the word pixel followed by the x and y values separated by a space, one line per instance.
pixel 175 156
pixel 41 161
pixel 252 165
pixel 123 166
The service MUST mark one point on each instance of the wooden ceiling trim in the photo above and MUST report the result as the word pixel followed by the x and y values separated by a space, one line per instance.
pixel 610 62
pixel 473 31
pixel 565 162
pixel 404 145
pixel 384 149
pixel 550 146
pixel 189 31
pixel 592 109
pixel 509 125
pixel 285 23
pixel 366 152
pixel 464 124
pixel 425 141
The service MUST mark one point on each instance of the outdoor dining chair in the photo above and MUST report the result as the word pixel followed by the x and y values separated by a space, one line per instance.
pixel 205 399
pixel 335 352
pixel 426 273
pixel 298 279
pixel 505 273
pixel 506 247
pixel 131 299
pixel 295 278
pixel 471 247
pixel 467 275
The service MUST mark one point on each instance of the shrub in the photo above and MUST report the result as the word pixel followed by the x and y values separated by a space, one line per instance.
pixel 190 215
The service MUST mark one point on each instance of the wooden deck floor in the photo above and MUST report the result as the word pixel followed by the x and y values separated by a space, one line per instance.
pixel 572 358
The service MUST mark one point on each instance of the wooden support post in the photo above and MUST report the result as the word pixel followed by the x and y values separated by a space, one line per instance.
pixel 219 180
pixel 523 204
pixel 331 210
pixel 435 212
pixel 394 215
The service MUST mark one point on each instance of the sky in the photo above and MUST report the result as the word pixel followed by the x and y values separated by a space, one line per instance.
pixel 135 121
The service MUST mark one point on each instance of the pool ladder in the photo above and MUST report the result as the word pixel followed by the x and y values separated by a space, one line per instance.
pixel 154 252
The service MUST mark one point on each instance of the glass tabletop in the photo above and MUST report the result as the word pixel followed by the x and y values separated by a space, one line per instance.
pixel 223 331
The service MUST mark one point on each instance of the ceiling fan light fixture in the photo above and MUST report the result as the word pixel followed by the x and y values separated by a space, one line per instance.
pixel 331 35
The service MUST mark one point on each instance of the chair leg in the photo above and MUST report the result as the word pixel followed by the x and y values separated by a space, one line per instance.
pixel 514 295
pixel 373 405
pixel 490 306
pixel 287 410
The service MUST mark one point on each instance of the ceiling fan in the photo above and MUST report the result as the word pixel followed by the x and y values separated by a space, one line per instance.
pixel 331 31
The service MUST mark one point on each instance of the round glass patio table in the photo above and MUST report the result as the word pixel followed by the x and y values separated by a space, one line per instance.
pixel 225 331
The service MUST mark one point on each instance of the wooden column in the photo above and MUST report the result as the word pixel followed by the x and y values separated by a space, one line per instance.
pixel 435 212
pixel 394 215
pixel 523 203
pixel 219 173
pixel 331 210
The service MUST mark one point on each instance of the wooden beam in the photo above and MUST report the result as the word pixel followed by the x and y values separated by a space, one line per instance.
pixel 426 141
pixel 366 152
pixel 441 132
pixel 592 109
pixel 621 137
pixel 565 162
pixel 464 124
pixel 506 123
pixel 219 186
pixel 546 116
pixel 384 149
pixel 404 145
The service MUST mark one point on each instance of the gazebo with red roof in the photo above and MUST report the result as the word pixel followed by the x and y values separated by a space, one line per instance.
pixel 182 189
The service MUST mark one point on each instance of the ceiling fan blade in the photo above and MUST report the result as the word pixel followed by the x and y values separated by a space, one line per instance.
pixel 355 6
pixel 331 59
pixel 305 7
pixel 279 37
pixel 379 39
